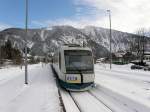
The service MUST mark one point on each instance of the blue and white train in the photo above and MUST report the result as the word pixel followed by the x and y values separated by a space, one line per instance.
pixel 74 67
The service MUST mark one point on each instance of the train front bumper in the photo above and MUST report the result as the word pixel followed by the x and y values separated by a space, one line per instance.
pixel 76 86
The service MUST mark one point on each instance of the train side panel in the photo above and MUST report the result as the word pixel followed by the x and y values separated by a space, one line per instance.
pixel 59 65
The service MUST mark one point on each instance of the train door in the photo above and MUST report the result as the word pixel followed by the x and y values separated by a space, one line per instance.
pixel 59 60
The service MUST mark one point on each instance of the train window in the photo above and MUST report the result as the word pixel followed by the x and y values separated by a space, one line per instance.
pixel 78 60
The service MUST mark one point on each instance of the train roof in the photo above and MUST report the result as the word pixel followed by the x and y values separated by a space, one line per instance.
pixel 74 47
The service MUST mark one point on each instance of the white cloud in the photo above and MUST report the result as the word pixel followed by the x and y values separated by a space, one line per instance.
pixel 127 15
pixel 4 26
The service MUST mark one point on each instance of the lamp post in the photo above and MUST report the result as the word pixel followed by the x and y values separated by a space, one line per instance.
pixel 26 29
pixel 0 57
pixel 110 38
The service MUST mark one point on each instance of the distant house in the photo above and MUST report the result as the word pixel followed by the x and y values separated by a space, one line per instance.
pixel 124 56
pixel 129 56
pixel 100 60
pixel 118 56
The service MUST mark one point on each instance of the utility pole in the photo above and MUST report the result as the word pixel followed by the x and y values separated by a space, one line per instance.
pixel 110 38
pixel 26 28
pixel 0 57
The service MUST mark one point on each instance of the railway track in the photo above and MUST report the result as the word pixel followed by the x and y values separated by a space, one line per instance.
pixel 101 101
pixel 79 102
pixel 68 102
pixel 83 102
pixel 76 103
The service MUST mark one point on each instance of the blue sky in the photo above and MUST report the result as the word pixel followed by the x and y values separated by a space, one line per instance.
pixel 127 15
pixel 12 12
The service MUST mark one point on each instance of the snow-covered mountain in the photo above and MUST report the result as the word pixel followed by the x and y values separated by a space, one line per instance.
pixel 120 40
pixel 45 40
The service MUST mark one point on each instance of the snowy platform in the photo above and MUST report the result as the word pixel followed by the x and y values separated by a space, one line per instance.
pixel 41 95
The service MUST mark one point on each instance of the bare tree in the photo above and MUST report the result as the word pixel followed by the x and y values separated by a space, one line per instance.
pixel 133 45
pixel 141 41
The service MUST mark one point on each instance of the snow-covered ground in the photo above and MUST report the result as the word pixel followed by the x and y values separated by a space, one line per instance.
pixel 41 95
pixel 130 88
pixel 117 90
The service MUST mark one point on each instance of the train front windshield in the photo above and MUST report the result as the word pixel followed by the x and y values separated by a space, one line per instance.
pixel 78 61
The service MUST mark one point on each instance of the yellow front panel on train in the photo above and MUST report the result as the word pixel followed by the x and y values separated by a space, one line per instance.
pixel 73 78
